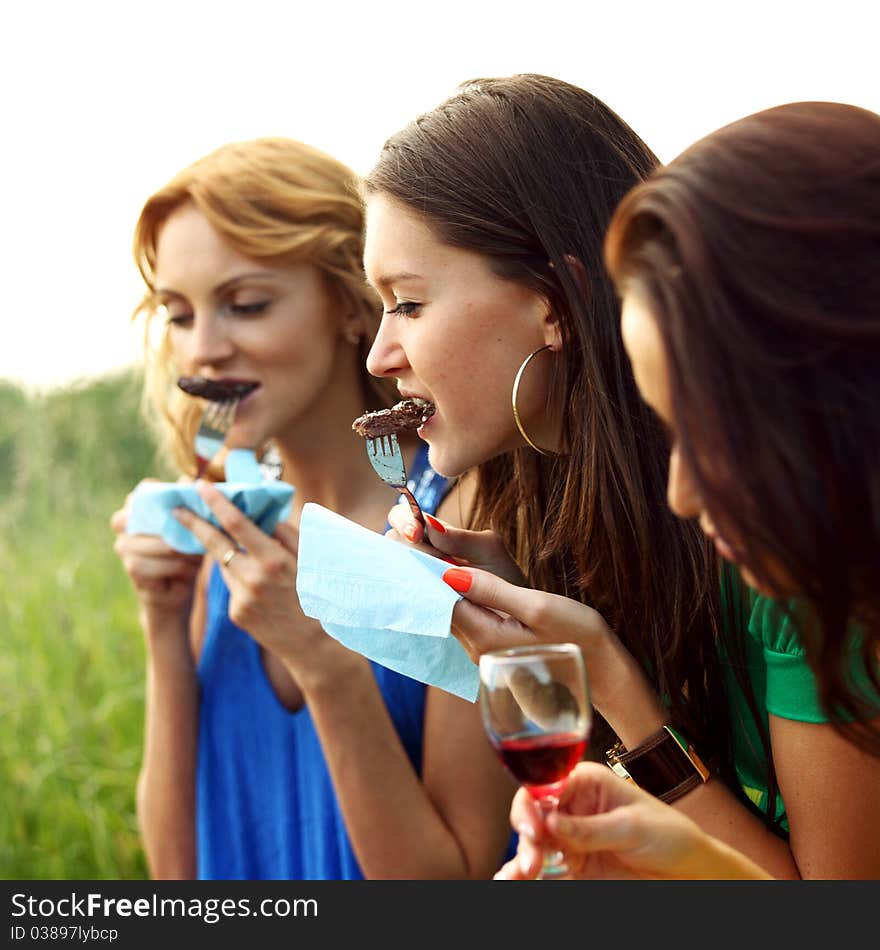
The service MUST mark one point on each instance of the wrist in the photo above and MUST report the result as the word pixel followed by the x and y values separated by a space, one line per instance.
pixel 329 666
pixel 167 638
pixel 665 764
pixel 627 700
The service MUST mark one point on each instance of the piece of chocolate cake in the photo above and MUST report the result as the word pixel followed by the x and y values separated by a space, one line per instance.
pixel 407 414
pixel 215 390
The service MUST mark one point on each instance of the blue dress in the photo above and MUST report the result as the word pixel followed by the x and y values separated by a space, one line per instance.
pixel 265 804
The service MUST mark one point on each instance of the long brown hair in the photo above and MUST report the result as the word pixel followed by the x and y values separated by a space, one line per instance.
pixel 758 252
pixel 527 171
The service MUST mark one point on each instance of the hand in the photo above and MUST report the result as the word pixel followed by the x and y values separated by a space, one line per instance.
pixel 496 614
pixel 163 579
pixel 609 828
pixel 262 580
pixel 482 549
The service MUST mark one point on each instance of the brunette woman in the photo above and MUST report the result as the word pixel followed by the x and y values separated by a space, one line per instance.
pixel 485 227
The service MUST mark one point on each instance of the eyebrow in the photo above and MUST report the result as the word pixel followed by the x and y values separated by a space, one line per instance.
pixel 386 280
pixel 221 288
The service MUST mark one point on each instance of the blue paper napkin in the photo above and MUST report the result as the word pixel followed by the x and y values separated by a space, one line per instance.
pixel 264 502
pixel 382 599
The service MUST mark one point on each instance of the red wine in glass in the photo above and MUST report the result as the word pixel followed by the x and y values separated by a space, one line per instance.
pixel 541 762
pixel 537 714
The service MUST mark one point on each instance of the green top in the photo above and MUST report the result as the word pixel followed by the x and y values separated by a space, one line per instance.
pixel 783 684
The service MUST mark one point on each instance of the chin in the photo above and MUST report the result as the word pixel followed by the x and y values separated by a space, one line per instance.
pixel 443 463
pixel 451 461
pixel 760 586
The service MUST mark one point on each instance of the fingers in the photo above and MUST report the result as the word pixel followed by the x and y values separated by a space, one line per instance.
pixel 533 608
pixel 118 520
pixel 405 528
pixel 510 871
pixel 523 867
pixel 288 536
pixel 619 830
pixel 149 562
pixel 476 547
pixel 600 811
pixel 237 529
pixel 526 864
pixel 525 816
pixel 479 630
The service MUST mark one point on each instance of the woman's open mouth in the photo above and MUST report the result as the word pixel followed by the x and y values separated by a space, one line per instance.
pixel 216 390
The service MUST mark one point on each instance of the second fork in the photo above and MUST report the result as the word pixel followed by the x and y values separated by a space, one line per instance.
pixel 214 426
pixel 387 460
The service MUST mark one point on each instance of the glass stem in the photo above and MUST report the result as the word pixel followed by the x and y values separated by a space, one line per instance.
pixel 554 860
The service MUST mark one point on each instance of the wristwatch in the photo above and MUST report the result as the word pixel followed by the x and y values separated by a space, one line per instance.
pixel 665 764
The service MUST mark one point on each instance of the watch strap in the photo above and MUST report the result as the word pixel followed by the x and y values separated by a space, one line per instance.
pixel 665 764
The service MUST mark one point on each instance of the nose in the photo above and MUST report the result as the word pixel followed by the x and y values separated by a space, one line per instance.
pixel 209 344
pixel 681 492
pixel 386 356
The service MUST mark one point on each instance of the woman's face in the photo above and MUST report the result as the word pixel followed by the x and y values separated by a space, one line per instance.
pixel 234 318
pixel 647 354
pixel 455 333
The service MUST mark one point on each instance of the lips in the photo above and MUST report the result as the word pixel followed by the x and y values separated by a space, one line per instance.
pixel 216 390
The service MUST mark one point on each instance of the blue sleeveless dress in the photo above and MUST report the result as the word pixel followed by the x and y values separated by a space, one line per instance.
pixel 265 804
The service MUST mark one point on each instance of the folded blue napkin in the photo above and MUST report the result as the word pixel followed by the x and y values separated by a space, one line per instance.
pixel 264 502
pixel 382 599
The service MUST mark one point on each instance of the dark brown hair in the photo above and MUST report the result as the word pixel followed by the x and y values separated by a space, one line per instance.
pixel 758 253
pixel 527 170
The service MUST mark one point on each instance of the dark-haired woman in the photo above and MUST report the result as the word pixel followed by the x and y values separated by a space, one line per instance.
pixel 485 227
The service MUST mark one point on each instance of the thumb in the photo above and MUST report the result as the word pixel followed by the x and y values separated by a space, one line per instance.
pixel 475 547
pixel 617 830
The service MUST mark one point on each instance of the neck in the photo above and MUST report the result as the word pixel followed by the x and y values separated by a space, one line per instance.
pixel 327 463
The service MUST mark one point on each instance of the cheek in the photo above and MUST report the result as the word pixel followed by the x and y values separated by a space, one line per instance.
pixel 178 346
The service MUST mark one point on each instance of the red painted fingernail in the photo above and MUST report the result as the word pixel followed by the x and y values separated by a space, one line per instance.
pixel 435 524
pixel 450 560
pixel 409 532
pixel 458 579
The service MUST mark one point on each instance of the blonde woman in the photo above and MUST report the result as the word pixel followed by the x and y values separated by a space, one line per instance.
pixel 271 751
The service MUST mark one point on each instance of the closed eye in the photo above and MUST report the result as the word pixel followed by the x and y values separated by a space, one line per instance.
pixel 178 319
pixel 248 309
pixel 405 308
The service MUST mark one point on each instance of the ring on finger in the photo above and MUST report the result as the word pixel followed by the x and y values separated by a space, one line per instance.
pixel 228 556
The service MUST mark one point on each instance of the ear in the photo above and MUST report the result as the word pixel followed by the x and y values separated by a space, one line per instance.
pixel 353 328
pixel 552 329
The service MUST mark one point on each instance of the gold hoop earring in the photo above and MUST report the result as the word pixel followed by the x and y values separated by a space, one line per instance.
pixel 515 394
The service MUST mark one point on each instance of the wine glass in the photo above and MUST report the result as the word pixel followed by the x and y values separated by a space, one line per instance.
pixel 536 710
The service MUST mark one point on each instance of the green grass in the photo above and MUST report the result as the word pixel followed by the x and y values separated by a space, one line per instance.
pixel 71 650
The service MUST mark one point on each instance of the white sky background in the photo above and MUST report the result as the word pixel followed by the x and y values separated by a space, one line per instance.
pixel 102 102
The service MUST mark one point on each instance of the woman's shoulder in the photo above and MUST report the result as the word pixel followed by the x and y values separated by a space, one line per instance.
pixel 774 624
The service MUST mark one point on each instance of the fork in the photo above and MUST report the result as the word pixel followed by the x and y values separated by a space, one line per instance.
pixel 213 428
pixel 385 456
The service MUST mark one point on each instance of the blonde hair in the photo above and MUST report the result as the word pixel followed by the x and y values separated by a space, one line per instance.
pixel 275 200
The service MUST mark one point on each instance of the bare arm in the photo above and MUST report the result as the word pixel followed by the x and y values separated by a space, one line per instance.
pixel 452 821
pixel 166 586
pixel 817 770
pixel 166 784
